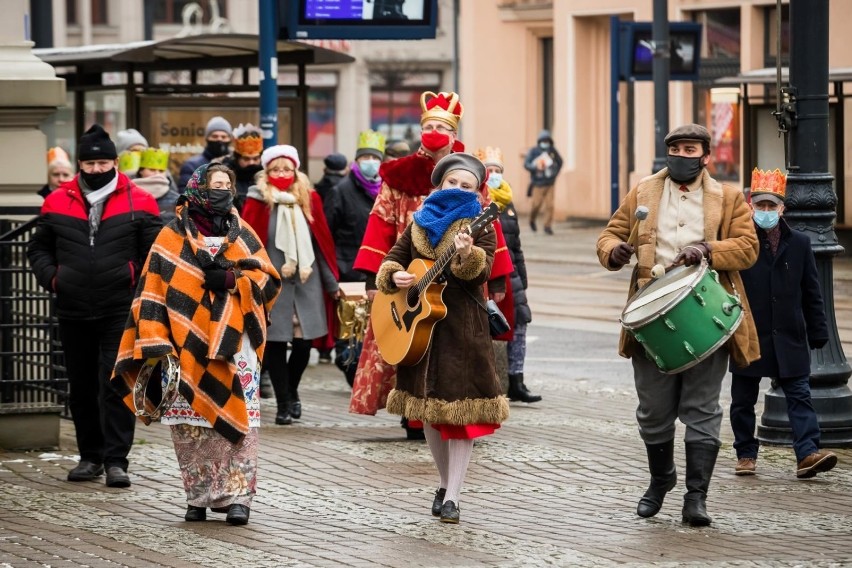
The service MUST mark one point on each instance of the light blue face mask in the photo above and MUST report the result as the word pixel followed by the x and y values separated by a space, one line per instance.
pixel 370 168
pixel 494 180
pixel 766 219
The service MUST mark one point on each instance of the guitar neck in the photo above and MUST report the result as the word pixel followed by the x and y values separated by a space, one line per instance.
pixel 436 269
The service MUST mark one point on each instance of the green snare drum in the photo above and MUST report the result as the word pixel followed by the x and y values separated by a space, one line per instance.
pixel 683 317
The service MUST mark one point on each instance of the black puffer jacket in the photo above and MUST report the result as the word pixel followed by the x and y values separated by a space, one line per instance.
pixel 347 208
pixel 93 280
pixel 512 233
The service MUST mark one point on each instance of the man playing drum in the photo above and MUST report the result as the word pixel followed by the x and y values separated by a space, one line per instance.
pixel 691 218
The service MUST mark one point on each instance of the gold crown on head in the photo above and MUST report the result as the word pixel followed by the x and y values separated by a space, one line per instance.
pixel 444 106
pixel 154 159
pixel 371 140
pixel 768 181
pixel 490 156
pixel 128 161
pixel 248 140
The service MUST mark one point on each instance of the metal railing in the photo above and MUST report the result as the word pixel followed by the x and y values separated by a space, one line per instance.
pixel 32 364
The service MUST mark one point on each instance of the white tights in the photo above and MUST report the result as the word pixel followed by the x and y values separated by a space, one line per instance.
pixel 451 458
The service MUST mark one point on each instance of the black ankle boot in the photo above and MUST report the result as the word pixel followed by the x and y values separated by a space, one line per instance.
pixel 283 416
pixel 518 390
pixel 194 514
pixel 700 461
pixel 663 478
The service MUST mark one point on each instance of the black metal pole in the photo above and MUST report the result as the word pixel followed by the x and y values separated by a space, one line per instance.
pixel 41 22
pixel 661 72
pixel 148 17
pixel 810 207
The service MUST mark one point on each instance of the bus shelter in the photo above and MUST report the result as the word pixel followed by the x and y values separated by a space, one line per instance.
pixel 169 89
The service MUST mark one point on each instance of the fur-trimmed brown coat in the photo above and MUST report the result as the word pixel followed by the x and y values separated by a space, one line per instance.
pixel 456 381
pixel 728 230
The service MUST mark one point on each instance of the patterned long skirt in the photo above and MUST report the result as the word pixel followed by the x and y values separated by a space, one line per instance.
pixel 215 472
pixel 374 379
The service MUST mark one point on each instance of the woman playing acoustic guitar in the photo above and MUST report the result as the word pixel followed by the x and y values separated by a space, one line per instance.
pixel 453 389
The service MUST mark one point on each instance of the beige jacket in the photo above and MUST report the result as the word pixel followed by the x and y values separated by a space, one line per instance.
pixel 728 231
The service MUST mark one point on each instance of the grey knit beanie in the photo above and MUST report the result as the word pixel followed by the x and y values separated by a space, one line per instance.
pixel 217 124
pixel 125 139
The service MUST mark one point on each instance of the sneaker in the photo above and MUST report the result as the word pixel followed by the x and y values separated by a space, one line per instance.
pixel 745 466
pixel 817 462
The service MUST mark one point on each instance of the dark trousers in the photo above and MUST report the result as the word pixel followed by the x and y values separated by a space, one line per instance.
pixel 103 423
pixel 800 411
pixel 286 372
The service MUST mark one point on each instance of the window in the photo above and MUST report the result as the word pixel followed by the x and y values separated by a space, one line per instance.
pixel 187 11
pixel 321 129
pixel 722 32
pixel 99 12
pixel 395 101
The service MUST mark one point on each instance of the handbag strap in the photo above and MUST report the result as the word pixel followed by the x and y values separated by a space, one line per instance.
pixel 463 287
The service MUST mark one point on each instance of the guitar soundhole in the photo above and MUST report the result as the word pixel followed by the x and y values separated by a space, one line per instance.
pixel 412 298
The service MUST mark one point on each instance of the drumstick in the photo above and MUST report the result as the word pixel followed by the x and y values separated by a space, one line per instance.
pixel 641 214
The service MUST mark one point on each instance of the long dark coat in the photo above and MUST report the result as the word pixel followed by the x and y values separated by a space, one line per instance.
pixel 518 278
pixel 456 381
pixel 786 302
pixel 347 209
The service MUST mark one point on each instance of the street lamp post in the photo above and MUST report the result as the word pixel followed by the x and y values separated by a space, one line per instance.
pixel 661 72
pixel 810 207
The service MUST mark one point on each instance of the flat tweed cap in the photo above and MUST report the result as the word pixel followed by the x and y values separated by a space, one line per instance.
pixel 688 132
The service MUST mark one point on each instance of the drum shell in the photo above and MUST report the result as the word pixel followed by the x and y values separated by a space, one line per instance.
pixel 701 319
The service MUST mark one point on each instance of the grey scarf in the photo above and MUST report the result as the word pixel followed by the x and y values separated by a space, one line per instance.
pixel 96 199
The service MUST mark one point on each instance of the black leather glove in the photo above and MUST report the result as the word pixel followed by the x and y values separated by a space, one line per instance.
pixel 215 279
pixel 620 255
pixel 691 254
pixel 817 343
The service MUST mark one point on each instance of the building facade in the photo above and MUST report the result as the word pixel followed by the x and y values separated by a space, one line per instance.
pixel 380 90
pixel 533 64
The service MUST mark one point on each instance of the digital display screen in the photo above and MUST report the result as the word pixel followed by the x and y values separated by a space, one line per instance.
pixel 350 11
pixel 683 53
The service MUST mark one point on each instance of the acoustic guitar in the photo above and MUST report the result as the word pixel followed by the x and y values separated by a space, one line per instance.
pixel 403 321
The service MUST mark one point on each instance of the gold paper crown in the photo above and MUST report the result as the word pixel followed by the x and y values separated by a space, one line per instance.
pixel 444 107
pixel 774 182
pixel 248 140
pixel 490 156
pixel 57 154
pixel 128 161
pixel 371 140
pixel 154 159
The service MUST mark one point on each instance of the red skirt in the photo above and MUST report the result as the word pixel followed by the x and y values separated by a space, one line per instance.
pixel 466 432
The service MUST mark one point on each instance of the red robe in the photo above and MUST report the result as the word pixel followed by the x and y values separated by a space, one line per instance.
pixel 256 213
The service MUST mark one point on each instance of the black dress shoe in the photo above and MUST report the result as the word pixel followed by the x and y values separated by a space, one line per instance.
pixel 548 231
pixel 450 513
pixel 238 515
pixel 296 409
pixel 117 477
pixel 85 471
pixel 283 417
pixel 194 513
pixel 438 502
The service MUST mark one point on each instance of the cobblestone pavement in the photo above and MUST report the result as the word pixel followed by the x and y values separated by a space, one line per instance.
pixel 557 485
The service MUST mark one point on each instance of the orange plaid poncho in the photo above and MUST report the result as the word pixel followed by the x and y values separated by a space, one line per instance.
pixel 173 314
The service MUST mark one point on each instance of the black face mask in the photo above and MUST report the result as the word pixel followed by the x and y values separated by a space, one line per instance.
pixel 221 201
pixel 683 169
pixel 247 173
pixel 97 181
pixel 215 148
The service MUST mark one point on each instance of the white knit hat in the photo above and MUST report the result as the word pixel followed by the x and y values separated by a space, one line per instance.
pixel 280 151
